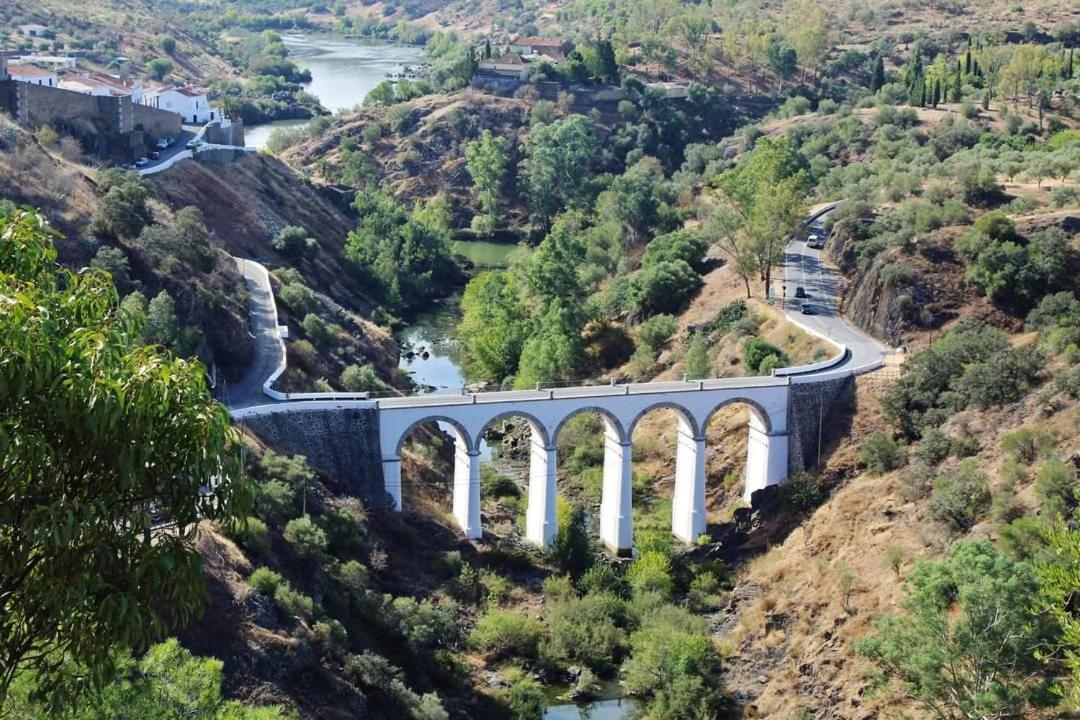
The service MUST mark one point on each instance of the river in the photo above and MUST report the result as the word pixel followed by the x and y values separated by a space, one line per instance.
pixel 343 71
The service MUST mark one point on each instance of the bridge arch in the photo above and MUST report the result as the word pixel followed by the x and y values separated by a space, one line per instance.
pixel 461 435
pixel 681 412
pixel 613 426
pixel 757 413
pixel 536 427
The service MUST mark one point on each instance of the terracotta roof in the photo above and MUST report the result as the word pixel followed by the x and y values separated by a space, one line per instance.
pixel 538 42
pixel 507 59
pixel 190 91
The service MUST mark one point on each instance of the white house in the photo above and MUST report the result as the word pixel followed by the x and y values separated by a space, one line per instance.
pixel 508 65
pixel 33 74
pixel 552 49
pixel 190 104
pixel 58 62
pixel 34 30
pixel 96 83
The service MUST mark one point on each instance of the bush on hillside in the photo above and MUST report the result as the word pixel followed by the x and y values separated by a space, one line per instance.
pixel 265 581
pixel 293 603
pixel 757 350
pixel 506 633
pixel 651 573
pixel 959 499
pixel 306 538
pixel 881 453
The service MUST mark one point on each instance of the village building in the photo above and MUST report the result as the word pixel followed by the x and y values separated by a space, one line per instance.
pixel 190 104
pixel 100 84
pixel 510 65
pixel 34 30
pixel 555 50
pixel 33 74
pixel 57 62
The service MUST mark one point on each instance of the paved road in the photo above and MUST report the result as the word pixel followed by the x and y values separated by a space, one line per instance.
pixel 805 267
pixel 263 322
pixel 178 147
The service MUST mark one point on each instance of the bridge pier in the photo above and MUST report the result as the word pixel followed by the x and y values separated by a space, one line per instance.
pixel 541 523
pixel 467 488
pixel 766 459
pixel 688 502
pixel 391 472
pixel 616 513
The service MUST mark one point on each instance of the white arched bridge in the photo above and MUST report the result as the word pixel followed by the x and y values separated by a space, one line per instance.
pixel 468 416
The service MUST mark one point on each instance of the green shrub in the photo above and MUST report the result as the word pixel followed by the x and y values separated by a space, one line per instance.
pixel 675 666
pixel 265 581
pixel 725 319
pixel 803 492
pixel 561 587
pixel 959 499
pixel 506 633
pixel 880 453
pixel 306 538
pixel 275 500
pixel 1026 444
pixel 1058 488
pixel 293 602
pixel 495 485
pixel 651 573
pixel 252 534
pixel 656 331
pixel 321 332
pixel 915 482
pixel 353 578
pixel 757 350
pixel 934 446
pixel 297 297
pixel 602 578
pixel 330 637
pixel 572 548
pixel 584 631
pixel 527 699
pixel 703 595
pixel 361 378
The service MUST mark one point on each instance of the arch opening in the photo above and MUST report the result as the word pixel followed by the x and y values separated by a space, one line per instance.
pixel 426 449
pixel 664 459
pixel 513 474
pixel 742 456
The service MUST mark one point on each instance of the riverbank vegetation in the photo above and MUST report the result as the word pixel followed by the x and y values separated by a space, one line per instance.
pixel 925 563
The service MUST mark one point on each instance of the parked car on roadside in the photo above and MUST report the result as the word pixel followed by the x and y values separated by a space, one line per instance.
pixel 806 309
pixel 142 162
pixel 163 143
pixel 800 292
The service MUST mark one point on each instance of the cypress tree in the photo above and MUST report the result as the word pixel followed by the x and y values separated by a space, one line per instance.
pixel 986 100
pixel 937 92
pixel 879 75
pixel 967 62
pixel 922 92
pixel 487 48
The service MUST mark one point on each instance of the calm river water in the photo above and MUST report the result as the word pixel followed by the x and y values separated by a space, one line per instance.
pixel 343 71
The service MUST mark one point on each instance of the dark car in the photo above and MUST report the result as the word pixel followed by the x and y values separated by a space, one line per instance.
pixel 806 309
pixel 800 292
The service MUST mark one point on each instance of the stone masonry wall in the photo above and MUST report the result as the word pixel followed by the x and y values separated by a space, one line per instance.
pixel 156 124
pixel 809 402
pixel 343 444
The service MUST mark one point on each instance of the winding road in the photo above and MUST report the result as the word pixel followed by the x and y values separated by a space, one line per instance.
pixel 806 268
pixel 803 267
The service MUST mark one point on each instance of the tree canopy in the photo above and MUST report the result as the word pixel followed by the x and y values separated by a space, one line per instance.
pixel 99 435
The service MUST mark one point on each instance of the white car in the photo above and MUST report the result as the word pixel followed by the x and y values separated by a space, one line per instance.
pixel 142 162
pixel 163 143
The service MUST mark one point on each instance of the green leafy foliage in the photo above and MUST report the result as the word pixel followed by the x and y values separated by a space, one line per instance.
pixel 756 354
pixel 166 683
pixel 506 633
pixel 407 256
pixel 95 428
pixel 493 327
pixel 969 364
pixel 961 497
pixel 967 644
pixel 881 453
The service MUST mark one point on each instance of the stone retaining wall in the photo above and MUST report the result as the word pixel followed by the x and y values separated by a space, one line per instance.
pixel 343 444
pixel 809 404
